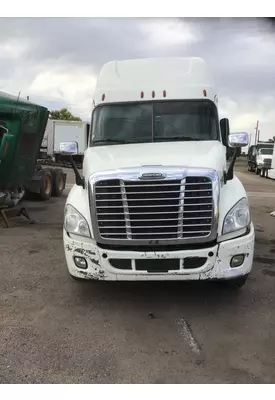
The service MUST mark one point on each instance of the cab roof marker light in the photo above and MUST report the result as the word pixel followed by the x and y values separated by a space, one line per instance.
pixel 103 97
pixel 142 94
pixel 164 93
pixel 153 93
pixel 204 93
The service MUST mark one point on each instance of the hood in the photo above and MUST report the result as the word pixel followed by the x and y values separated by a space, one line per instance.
pixel 204 154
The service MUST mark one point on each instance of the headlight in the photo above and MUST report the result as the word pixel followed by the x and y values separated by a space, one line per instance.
pixel 237 218
pixel 75 223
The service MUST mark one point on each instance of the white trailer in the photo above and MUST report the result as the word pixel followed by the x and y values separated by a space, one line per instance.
pixel 58 131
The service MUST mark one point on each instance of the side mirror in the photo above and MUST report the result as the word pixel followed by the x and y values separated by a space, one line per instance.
pixel 224 125
pixel 239 139
pixel 68 148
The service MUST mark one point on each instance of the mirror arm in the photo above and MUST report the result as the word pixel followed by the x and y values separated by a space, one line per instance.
pixel 230 172
pixel 78 179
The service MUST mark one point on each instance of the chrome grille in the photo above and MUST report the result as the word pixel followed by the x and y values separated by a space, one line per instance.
pixel 154 210
pixel 267 161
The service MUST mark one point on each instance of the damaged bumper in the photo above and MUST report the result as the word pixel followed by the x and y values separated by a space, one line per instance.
pixel 201 264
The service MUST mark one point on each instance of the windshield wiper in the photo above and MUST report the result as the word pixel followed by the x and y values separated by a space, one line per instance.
pixel 168 138
pixel 110 141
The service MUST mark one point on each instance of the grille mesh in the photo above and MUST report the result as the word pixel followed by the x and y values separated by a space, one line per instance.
pixel 154 210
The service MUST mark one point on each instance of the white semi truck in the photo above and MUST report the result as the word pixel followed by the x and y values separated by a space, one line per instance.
pixel 157 200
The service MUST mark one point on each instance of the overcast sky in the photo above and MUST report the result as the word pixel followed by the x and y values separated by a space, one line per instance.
pixel 55 61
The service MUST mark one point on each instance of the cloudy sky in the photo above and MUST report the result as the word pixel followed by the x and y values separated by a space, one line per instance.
pixel 55 61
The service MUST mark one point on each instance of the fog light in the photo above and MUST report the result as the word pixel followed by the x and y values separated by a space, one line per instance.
pixel 237 261
pixel 80 262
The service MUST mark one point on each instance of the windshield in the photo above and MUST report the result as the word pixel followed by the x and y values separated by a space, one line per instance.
pixel 266 151
pixel 154 122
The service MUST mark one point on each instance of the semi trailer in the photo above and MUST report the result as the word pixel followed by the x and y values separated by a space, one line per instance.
pixel 58 131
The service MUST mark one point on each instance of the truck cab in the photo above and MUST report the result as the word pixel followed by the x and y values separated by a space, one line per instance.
pixel 263 159
pixel 259 157
pixel 157 199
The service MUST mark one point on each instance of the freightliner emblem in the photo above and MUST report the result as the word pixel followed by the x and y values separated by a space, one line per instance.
pixel 152 175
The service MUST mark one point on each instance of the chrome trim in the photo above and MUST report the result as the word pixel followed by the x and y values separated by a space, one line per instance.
pixel 181 208
pixel 152 175
pixel 178 173
pixel 126 210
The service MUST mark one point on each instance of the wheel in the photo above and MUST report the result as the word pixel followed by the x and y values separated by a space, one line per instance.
pixel 58 181
pixel 235 283
pixel 266 174
pixel 46 184
pixel 257 170
pixel 262 173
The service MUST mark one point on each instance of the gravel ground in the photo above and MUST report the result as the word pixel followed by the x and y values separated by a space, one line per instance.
pixel 57 330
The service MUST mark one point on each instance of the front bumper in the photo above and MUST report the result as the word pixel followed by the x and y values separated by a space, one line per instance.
pixel 217 265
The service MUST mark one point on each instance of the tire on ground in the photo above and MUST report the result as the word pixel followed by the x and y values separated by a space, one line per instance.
pixel 58 181
pixel 46 184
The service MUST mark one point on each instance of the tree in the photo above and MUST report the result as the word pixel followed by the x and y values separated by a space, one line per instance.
pixel 63 114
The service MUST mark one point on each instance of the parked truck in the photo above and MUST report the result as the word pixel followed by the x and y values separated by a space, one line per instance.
pixel 22 126
pixel 259 157
pixel 157 200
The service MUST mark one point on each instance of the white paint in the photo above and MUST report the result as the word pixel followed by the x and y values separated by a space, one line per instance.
pixel 205 154
pixel 58 131
pixel 220 264
pixel 187 335
pixel 70 131
pixel 182 78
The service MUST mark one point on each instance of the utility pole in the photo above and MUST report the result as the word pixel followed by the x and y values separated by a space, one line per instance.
pixel 256 133
pixel 258 136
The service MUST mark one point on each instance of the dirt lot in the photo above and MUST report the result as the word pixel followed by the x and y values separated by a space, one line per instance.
pixel 56 330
